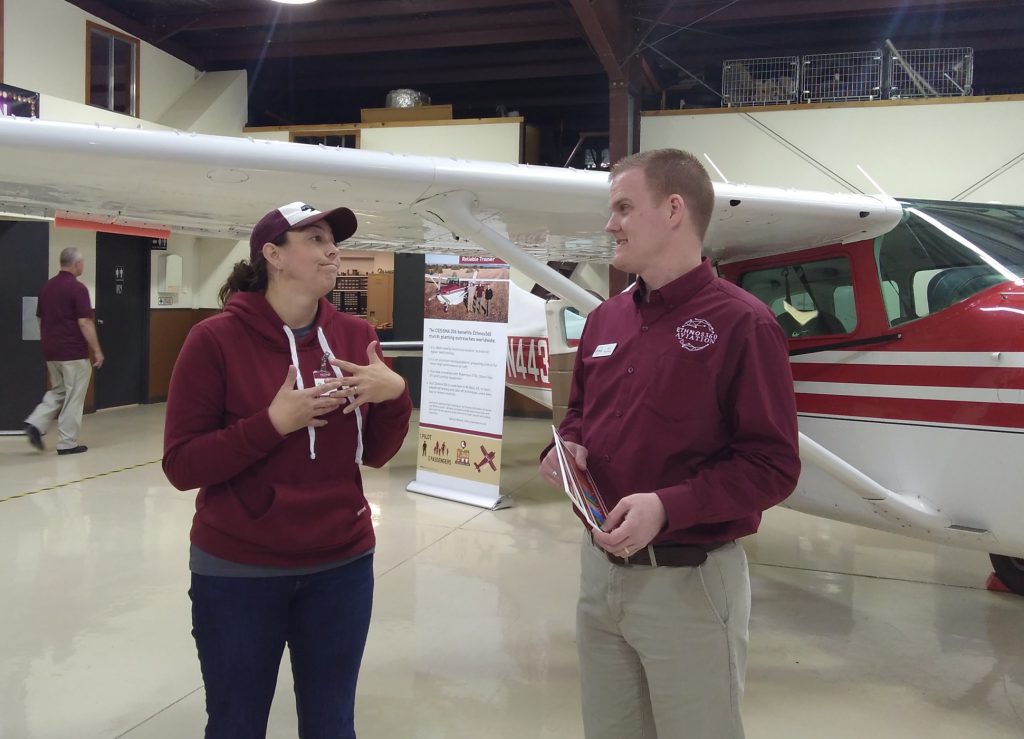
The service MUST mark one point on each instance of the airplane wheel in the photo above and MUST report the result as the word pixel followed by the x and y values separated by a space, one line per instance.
pixel 1010 570
pixel 445 307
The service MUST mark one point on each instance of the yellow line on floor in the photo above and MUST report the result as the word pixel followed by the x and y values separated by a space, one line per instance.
pixel 75 482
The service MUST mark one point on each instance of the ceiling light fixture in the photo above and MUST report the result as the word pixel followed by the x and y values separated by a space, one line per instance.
pixel 295 2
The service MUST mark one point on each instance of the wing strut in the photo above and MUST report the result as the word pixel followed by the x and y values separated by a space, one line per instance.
pixel 903 510
pixel 454 211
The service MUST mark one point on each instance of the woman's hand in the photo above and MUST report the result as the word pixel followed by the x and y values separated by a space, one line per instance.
pixel 374 382
pixel 293 409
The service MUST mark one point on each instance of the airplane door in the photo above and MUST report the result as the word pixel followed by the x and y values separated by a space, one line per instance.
pixel 122 318
pixel 25 246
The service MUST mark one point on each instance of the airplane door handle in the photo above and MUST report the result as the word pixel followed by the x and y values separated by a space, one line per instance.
pixel 99 321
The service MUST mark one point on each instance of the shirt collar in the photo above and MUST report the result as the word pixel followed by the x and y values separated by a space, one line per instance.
pixel 680 289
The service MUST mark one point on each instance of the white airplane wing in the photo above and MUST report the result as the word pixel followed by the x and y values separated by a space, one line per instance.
pixel 220 186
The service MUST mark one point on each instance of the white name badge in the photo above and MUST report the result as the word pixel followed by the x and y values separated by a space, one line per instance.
pixel 605 350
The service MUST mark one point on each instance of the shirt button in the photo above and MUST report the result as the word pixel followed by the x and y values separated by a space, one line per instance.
pixel 607 458
pixel 630 370
pixel 644 328
pixel 618 414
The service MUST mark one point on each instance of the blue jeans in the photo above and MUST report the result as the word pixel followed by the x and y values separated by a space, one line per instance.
pixel 241 625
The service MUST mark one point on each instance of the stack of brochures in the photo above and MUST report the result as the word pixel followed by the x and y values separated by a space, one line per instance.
pixel 579 486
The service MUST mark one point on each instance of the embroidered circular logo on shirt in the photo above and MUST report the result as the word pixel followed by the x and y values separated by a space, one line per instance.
pixel 696 334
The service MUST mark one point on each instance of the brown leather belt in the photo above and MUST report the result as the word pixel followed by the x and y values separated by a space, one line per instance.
pixel 668 555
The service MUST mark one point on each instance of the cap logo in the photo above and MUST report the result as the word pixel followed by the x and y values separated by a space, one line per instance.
pixel 295 212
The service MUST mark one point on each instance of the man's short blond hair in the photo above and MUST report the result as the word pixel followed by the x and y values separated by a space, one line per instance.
pixel 675 172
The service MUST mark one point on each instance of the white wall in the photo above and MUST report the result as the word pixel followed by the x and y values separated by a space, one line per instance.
pixel 491 142
pixel 44 47
pixel 52 108
pixel 214 260
pixel 216 104
pixel 270 135
pixel 163 79
pixel 44 50
pixel 924 151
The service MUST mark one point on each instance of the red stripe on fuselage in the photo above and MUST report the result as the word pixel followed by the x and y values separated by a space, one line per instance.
pixel 960 413
pixel 878 374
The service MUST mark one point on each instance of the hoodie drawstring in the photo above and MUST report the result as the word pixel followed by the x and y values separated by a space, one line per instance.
pixel 298 383
pixel 338 373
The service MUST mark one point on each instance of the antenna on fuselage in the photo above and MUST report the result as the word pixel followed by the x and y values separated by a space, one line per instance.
pixel 715 166
pixel 872 181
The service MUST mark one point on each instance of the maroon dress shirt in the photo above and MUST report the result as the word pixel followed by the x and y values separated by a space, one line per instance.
pixel 687 392
pixel 62 301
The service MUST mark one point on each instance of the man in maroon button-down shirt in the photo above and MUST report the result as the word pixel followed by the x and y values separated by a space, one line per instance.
pixel 682 408
pixel 68 334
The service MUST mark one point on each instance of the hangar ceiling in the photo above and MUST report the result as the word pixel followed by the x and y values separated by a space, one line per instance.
pixel 322 62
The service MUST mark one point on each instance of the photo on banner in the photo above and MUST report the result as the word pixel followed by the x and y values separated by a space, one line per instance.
pixel 462 404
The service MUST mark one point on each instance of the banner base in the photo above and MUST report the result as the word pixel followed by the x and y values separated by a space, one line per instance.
pixel 479 500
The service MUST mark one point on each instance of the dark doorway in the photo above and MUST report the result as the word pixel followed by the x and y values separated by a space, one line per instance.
pixel 122 318
pixel 408 318
pixel 25 248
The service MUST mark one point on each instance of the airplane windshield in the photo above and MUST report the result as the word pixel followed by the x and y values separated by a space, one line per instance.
pixel 943 253
pixel 997 230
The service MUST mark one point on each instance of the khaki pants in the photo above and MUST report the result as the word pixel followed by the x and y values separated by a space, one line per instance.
pixel 64 401
pixel 663 650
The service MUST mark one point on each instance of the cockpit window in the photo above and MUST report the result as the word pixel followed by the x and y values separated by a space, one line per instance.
pixel 943 253
pixel 572 325
pixel 807 298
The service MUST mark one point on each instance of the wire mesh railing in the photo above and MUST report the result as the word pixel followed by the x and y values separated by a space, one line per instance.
pixel 765 81
pixel 877 74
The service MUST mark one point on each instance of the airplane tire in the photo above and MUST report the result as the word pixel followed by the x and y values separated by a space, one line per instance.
pixel 1010 570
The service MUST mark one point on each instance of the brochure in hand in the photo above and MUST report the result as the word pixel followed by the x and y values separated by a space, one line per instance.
pixel 579 486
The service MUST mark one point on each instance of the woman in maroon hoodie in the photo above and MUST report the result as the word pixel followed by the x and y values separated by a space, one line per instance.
pixel 273 405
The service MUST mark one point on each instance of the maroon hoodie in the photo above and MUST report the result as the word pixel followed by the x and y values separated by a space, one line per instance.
pixel 264 499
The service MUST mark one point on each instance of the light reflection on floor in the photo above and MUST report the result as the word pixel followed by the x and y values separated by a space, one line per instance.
pixel 854 633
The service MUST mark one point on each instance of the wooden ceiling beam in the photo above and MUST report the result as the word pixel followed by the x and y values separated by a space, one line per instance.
pixel 813 39
pixel 711 13
pixel 480 58
pixel 359 10
pixel 515 34
pixel 342 33
pixel 608 28
pixel 425 78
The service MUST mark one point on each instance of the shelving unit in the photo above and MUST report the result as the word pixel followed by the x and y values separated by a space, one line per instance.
pixel 349 294
pixel 368 296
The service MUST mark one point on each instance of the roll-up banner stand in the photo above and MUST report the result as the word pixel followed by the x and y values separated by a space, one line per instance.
pixel 462 404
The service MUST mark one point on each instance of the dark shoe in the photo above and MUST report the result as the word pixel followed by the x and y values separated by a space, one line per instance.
pixel 34 437
pixel 74 450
